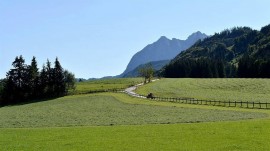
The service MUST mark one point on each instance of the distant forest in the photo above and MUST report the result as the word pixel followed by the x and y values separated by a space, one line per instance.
pixel 239 52
pixel 248 67
pixel 25 82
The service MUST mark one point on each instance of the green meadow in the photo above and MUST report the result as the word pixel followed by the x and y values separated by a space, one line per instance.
pixel 108 109
pixel 105 84
pixel 116 121
pixel 217 136
pixel 257 90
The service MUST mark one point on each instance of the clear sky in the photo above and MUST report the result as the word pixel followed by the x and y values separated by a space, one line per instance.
pixel 96 38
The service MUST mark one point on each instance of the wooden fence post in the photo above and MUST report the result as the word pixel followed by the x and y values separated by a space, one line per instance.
pixel 254 105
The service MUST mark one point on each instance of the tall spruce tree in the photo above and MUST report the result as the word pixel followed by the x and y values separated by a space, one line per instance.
pixel 58 79
pixel 15 87
pixel 43 82
pixel 49 80
pixel 32 78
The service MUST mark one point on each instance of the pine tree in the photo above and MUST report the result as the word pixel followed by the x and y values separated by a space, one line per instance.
pixel 33 76
pixel 16 85
pixel 58 79
pixel 49 80
pixel 221 69
pixel 42 82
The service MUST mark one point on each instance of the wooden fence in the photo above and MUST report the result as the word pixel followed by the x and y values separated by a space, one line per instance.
pixel 241 104
pixel 185 100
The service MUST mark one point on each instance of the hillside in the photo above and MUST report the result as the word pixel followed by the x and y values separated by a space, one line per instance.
pixel 157 65
pixel 240 48
pixel 162 49
pixel 227 89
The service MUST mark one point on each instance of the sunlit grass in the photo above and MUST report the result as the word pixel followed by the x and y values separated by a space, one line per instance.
pixel 105 109
pixel 147 134
pixel 257 90
pixel 105 84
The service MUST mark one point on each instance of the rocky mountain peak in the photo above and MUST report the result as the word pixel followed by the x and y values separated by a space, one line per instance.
pixel 162 49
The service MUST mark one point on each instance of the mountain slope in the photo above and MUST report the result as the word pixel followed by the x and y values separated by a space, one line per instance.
pixel 163 49
pixel 228 47
pixel 157 65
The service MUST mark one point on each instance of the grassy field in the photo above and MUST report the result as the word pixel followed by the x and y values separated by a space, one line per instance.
pixel 40 120
pixel 217 136
pixel 116 121
pixel 257 90
pixel 105 84
pixel 109 109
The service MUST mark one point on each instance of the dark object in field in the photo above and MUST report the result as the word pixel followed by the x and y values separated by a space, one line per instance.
pixel 150 96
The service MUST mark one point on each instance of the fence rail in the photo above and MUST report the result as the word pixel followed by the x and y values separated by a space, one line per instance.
pixel 241 104
pixel 186 100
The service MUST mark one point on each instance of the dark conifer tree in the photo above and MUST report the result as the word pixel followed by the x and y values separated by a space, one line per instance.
pixel 43 82
pixel 33 78
pixel 220 69
pixel 58 79
pixel 214 68
pixel 49 80
pixel 15 88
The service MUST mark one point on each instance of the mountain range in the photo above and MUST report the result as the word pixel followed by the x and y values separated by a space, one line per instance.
pixel 160 52
pixel 243 51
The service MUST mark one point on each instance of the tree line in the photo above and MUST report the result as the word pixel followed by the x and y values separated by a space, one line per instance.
pixel 247 67
pixel 26 82
pixel 250 67
pixel 243 51
pixel 196 68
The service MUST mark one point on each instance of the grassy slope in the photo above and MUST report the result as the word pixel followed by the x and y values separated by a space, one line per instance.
pixel 257 90
pixel 103 109
pixel 105 84
pixel 234 135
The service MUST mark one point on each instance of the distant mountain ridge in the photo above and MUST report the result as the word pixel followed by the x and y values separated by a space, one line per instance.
pixel 162 49
pixel 244 52
pixel 231 45
pixel 157 65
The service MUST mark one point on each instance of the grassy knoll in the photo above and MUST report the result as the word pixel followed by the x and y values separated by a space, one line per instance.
pixel 138 124
pixel 257 90
pixel 105 84
pixel 105 109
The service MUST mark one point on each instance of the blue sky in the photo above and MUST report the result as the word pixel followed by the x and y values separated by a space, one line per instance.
pixel 96 38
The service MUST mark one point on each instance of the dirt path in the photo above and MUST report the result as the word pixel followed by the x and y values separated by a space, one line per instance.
pixel 130 90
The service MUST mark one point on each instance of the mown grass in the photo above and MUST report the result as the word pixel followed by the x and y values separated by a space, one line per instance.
pixel 220 135
pixel 217 136
pixel 100 110
pixel 105 84
pixel 219 128
pixel 257 90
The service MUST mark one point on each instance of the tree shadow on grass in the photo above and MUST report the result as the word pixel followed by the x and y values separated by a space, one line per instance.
pixel 29 101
